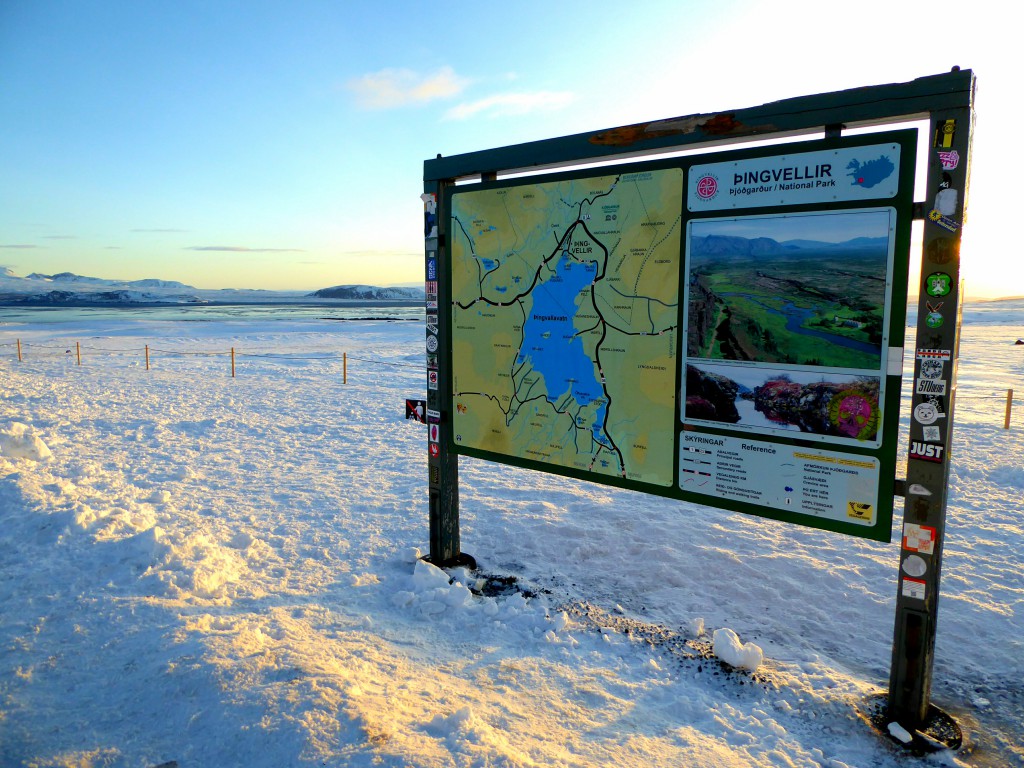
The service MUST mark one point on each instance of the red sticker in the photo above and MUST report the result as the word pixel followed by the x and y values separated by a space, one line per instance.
pixel 918 538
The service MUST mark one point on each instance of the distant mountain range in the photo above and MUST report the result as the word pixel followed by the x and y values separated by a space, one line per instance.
pixel 730 247
pixel 364 292
pixel 69 289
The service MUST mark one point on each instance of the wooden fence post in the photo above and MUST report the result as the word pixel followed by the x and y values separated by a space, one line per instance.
pixel 147 357
pixel 78 352
pixel 19 350
pixel 344 367
pixel 232 362
pixel 1009 407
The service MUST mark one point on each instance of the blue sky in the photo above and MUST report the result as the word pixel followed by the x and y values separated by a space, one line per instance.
pixel 281 144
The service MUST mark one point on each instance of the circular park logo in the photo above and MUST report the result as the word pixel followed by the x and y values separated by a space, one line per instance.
pixel 707 186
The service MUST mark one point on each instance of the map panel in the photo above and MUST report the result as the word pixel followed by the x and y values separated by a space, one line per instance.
pixel 565 312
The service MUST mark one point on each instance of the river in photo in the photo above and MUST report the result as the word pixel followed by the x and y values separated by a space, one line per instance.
pixel 797 316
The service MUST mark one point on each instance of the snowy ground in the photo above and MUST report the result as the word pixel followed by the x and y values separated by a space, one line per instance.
pixel 223 572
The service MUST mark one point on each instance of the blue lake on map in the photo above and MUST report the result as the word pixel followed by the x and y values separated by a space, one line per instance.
pixel 551 345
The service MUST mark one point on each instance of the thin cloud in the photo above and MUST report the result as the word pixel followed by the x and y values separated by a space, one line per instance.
pixel 159 230
pixel 60 237
pixel 379 254
pixel 19 246
pixel 391 88
pixel 506 104
pixel 242 249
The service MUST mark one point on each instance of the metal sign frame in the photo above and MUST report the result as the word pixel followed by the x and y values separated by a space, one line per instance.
pixel 947 102
pixel 831 473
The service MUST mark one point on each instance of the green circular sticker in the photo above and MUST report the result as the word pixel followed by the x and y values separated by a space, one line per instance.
pixel 938 284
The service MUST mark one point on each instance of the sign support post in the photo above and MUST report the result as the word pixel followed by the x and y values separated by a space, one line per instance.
pixel 442 463
pixel 931 424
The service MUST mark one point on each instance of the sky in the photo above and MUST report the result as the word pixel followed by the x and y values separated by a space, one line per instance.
pixel 281 145
pixel 828 228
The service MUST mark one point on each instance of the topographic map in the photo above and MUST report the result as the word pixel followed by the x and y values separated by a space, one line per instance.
pixel 565 311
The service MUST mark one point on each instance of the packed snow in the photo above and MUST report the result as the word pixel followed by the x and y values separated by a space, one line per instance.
pixel 200 570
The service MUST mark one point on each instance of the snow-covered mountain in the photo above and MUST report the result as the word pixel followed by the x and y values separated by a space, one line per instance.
pixel 368 292
pixel 69 289
pixel 70 278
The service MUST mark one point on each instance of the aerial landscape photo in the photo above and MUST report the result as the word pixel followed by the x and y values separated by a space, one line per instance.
pixel 805 289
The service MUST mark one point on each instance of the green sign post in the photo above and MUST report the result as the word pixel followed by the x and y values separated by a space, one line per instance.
pixel 723 328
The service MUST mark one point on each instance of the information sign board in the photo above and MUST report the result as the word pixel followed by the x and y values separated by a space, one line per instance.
pixel 725 329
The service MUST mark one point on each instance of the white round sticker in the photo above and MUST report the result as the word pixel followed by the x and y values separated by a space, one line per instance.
pixel 914 565
pixel 926 413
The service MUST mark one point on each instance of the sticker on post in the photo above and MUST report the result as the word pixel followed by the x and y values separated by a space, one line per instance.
pixel 937 217
pixel 914 565
pixel 915 488
pixel 918 538
pixel 931 434
pixel 933 354
pixel 938 284
pixel 913 588
pixel 945 132
pixel 926 451
pixel 946 198
pixel 414 409
pixel 929 412
pixel 429 215
pixel 930 386
pixel 431 343
pixel 931 370
pixel 432 379
pixel 435 433
pixel 950 160
pixel 435 449
pixel 943 250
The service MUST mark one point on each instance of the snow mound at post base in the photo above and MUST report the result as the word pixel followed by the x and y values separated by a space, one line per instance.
pixel 728 648
pixel 19 441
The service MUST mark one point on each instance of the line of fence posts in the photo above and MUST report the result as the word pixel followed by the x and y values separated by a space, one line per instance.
pixel 78 360
pixel 344 374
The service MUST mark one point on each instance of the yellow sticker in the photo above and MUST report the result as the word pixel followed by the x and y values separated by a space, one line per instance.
pixel 860 511
pixel 944 133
